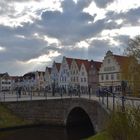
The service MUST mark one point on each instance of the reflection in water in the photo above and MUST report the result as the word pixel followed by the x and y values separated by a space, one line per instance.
pixel 47 133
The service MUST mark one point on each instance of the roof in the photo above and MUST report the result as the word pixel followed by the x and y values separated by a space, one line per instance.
pixel 29 75
pixel 4 74
pixel 97 64
pixel 122 59
pixel 49 69
pixel 58 66
pixel 69 61
pixel 82 61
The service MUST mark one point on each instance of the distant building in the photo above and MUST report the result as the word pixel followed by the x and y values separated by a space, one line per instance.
pixel 93 76
pixel 55 75
pixel 29 81
pixel 48 81
pixel 64 73
pixel 40 80
pixel 110 73
pixel 5 82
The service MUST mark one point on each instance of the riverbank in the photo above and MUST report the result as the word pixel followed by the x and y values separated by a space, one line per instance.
pixel 100 136
pixel 8 120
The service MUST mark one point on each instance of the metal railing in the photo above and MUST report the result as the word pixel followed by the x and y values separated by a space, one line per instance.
pixel 16 95
pixel 113 101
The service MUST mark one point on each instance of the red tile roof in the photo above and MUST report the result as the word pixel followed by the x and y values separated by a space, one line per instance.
pixel 121 59
pixel 80 62
pixel 69 60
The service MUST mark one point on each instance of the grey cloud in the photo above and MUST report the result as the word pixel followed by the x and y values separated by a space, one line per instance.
pixel 72 25
pixel 103 3
pixel 131 16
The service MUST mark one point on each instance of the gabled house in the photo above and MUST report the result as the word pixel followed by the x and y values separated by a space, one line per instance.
pixel 74 74
pixel 55 75
pixel 64 73
pixel 83 76
pixel 48 81
pixel 40 80
pixel 5 82
pixel 29 81
pixel 112 71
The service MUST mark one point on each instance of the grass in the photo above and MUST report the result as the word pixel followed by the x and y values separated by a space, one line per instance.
pixel 8 119
pixel 100 136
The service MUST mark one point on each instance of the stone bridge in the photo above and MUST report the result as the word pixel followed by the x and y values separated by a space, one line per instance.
pixel 61 112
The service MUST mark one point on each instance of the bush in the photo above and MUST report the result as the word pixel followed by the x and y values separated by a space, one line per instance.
pixel 125 125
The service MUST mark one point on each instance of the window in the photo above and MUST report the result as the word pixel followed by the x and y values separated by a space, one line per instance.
pixel 85 79
pixel 74 79
pixel 108 61
pixel 107 77
pixel 81 79
pixel 77 79
pixel 112 76
pixel 118 76
pixel 102 77
pixel 83 73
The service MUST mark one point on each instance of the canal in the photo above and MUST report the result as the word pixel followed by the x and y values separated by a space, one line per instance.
pixel 48 133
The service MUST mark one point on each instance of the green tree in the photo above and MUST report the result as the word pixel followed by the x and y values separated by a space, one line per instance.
pixel 133 68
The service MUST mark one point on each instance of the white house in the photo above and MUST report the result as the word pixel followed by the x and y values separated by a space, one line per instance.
pixel 5 82
pixel 83 76
pixel 55 74
pixel 40 80
pixel 29 81
pixel 110 73
pixel 64 73
pixel 74 74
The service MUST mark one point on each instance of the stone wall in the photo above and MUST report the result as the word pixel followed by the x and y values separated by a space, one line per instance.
pixel 56 111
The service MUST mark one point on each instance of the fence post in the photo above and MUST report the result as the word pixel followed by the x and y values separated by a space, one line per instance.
pixel 123 106
pixel 113 101
pixel 102 98
pixel 107 100
pixel 4 96
pixel 17 95
pixel 46 95
pixel 31 95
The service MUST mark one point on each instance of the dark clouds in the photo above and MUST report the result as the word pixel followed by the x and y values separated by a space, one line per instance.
pixel 131 16
pixel 73 25
pixel 103 3
pixel 69 26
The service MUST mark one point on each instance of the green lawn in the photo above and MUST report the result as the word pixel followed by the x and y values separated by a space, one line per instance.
pixel 100 136
pixel 8 119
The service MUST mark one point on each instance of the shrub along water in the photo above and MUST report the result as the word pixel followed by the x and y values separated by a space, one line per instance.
pixel 125 125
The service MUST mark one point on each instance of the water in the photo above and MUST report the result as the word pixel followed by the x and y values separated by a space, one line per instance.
pixel 47 133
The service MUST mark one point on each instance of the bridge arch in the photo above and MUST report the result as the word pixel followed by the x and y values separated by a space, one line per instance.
pixel 77 116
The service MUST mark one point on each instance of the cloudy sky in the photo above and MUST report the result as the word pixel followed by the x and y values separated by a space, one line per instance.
pixel 33 33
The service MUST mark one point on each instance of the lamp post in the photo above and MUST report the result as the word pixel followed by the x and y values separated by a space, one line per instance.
pixel 53 88
pixel 123 86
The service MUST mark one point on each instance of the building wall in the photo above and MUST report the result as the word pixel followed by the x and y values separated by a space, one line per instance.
pixel 110 72
pixel 54 75
pixel 47 79
pixel 74 75
pixel 93 79
pixel 64 75
pixel 83 78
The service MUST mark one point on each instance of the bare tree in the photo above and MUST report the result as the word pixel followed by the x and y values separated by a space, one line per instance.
pixel 133 48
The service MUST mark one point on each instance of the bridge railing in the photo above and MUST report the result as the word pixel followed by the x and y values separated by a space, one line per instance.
pixel 16 95
pixel 114 100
